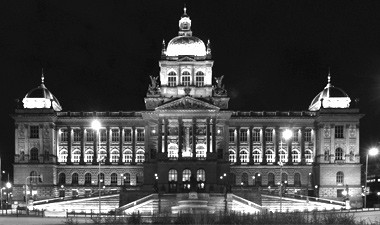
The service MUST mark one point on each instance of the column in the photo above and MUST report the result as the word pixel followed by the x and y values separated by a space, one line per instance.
pixel 263 145
pixel 208 134
pixel 237 145
pixel 250 144
pixel 133 145
pixel 302 145
pixel 121 133
pixel 213 135
pixel 159 137
pixel 194 138
pixel 69 141
pixel 276 139
pixel 82 141
pixel 180 137
pixel 107 161
pixel 166 136
pixel 289 147
pixel 96 141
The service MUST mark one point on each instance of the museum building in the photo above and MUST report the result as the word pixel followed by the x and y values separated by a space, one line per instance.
pixel 187 139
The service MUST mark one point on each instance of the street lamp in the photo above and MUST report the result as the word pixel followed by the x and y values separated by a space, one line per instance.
pixel 225 193
pixel 286 135
pixel 95 125
pixel 8 185
pixel 372 152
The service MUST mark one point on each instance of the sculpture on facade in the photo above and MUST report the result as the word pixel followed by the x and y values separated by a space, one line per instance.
pixel 153 88
pixel 219 88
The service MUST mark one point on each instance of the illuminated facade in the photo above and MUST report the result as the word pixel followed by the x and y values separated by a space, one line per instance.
pixel 186 137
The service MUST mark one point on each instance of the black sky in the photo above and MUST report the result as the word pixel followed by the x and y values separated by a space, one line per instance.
pixel 274 55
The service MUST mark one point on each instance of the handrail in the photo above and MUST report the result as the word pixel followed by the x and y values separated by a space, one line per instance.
pixel 247 202
pixel 137 202
pixel 309 198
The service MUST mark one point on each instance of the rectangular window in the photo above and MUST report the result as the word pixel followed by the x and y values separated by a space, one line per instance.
pixel 269 135
pixel 115 135
pixel 199 81
pixel 256 135
pixel 127 135
pixel 77 135
pixel 295 136
pixel 186 81
pixel 232 135
pixel 34 132
pixel 308 135
pixel 90 135
pixel 140 135
pixel 172 81
pixel 103 135
pixel 339 132
pixel 64 135
pixel 243 135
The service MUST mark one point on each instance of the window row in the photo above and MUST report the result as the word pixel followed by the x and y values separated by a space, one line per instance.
pixel 89 135
pixel 125 179
pixel 173 152
pixel 268 135
pixel 185 79
pixel 114 156
pixel 270 156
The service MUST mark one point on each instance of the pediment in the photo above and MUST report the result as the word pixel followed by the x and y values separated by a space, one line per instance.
pixel 187 103
pixel 186 58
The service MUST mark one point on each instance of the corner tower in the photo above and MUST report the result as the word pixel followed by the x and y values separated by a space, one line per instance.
pixel 186 70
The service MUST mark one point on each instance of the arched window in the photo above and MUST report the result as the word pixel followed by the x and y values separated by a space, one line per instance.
pixel 200 73
pixel 75 156
pixel 89 155
pixel 283 156
pixel 87 179
pixel 115 156
pixel 185 73
pixel 296 156
pixel 340 178
pixel 339 154
pixel 172 79
pixel 244 156
pixel 173 175
pixel 270 156
pixel 186 175
pixel 201 152
pixel 172 73
pixel 63 156
pixel 127 179
pixel 74 178
pixel 101 178
pixel 34 154
pixel 127 156
pixel 308 156
pixel 62 178
pixel 297 180
pixel 33 177
pixel 113 179
pixel 244 179
pixel 201 178
pixel 232 179
pixel 173 151
pixel 270 179
pixel 102 155
pixel 284 178
pixel 232 156
pixel 140 156
pixel 256 156
pixel 257 180
pixel 199 79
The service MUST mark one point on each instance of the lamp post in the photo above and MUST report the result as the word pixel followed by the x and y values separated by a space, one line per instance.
pixel 96 126
pixel 372 152
pixel 225 191
pixel 8 185
pixel 286 135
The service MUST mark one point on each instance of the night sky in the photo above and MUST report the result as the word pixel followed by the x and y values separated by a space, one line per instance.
pixel 274 55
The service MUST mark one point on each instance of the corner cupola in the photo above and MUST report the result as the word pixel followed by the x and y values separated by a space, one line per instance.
pixel 330 97
pixel 41 98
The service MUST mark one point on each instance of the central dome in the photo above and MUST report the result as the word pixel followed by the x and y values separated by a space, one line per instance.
pixel 186 45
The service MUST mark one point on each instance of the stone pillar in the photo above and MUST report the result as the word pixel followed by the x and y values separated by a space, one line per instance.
pixel 180 137
pixel 213 135
pixel 133 145
pixel 166 136
pixel 263 145
pixel 250 144
pixel 107 161
pixel 194 138
pixel 121 133
pixel 96 141
pixel 302 145
pixel 289 147
pixel 82 141
pixel 237 145
pixel 276 139
pixel 159 137
pixel 208 134
pixel 69 142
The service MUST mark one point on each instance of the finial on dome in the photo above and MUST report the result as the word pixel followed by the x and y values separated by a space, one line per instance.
pixel 208 49
pixel 163 50
pixel 184 10
pixel 329 77
pixel 42 76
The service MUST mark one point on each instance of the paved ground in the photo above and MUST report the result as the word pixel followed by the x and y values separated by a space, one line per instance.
pixel 7 220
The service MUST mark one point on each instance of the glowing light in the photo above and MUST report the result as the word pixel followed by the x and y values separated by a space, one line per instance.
pixel 373 151
pixel 287 134
pixel 95 125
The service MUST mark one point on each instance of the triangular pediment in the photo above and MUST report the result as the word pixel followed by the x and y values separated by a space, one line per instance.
pixel 187 103
pixel 185 58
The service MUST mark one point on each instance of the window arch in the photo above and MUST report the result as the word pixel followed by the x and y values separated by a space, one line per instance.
pixel 173 151
pixel 296 156
pixel 284 178
pixel 63 156
pixel 127 156
pixel 127 179
pixel 172 73
pixel 244 156
pixel 270 156
pixel 172 79
pixel 257 180
pixel 34 154
pixel 256 155
pixel 283 156
pixel 201 175
pixel 102 154
pixel 185 78
pixel 339 178
pixel 185 73
pixel 244 179
pixel 199 79
pixel 186 174
pixel 270 179
pixel 339 154
pixel 308 156
pixel 89 155
pixel 200 73
pixel 173 175
pixel 232 156
pixel 201 151
pixel 87 179
pixel 62 178
pixel 33 177
pixel 113 179
pixel 115 156
pixel 140 156
pixel 74 178
pixel 75 157
pixel 297 179
pixel 101 178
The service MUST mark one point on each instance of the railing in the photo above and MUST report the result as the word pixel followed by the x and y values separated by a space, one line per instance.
pixel 276 113
pixel 247 202
pixel 137 202
pixel 307 198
